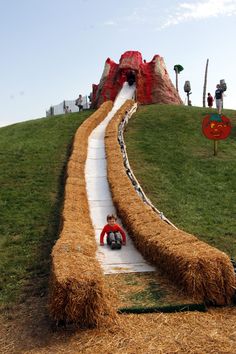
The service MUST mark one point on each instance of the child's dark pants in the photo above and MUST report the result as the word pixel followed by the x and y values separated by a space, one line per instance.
pixel 114 237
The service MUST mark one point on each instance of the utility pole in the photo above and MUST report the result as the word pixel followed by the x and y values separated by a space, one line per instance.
pixel 205 85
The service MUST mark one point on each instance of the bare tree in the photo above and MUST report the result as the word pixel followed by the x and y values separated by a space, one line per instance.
pixel 205 85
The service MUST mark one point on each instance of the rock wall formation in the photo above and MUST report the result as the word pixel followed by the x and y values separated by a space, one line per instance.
pixel 153 84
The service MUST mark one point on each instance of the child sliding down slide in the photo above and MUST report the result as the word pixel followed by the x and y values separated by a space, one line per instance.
pixel 115 234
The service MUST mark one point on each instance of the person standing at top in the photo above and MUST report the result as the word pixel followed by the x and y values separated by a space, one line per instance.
pixel 131 77
pixel 79 102
pixel 210 100
pixel 219 98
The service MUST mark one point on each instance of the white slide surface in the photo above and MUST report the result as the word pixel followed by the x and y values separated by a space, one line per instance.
pixel 128 259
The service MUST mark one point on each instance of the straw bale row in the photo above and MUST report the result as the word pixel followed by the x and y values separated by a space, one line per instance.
pixel 77 290
pixel 202 271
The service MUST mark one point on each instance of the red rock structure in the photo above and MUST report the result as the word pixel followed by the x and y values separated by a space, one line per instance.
pixel 153 84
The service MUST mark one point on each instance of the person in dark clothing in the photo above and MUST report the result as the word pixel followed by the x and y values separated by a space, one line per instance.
pixel 79 103
pixel 219 98
pixel 210 100
pixel 131 77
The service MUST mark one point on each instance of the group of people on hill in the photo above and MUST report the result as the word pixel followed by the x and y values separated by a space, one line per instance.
pixel 210 99
pixel 218 98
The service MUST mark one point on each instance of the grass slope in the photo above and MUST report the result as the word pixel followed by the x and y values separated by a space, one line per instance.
pixel 169 156
pixel 33 157
pixel 176 167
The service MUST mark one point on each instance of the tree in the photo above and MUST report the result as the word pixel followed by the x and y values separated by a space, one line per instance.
pixel 177 68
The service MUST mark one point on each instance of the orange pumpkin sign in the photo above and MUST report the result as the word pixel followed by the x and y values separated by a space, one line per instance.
pixel 216 126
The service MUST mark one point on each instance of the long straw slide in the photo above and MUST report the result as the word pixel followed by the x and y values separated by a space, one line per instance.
pixel 78 290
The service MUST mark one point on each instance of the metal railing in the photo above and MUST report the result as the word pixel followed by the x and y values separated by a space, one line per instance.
pixel 128 169
pixel 67 106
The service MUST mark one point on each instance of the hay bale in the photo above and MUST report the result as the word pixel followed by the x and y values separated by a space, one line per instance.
pixel 77 290
pixel 202 271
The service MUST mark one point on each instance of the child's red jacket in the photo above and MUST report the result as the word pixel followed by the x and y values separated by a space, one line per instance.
pixel 116 228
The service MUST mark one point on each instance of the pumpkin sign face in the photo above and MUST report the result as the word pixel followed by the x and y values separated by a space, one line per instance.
pixel 216 127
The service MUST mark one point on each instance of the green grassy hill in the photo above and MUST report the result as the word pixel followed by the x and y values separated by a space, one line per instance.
pixel 33 156
pixel 169 155
pixel 178 171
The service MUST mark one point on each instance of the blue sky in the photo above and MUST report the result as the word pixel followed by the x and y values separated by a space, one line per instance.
pixel 53 50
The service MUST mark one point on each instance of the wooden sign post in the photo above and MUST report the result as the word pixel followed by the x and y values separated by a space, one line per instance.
pixel 215 147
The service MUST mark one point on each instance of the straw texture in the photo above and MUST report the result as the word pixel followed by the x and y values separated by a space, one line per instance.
pixel 202 271
pixel 77 290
